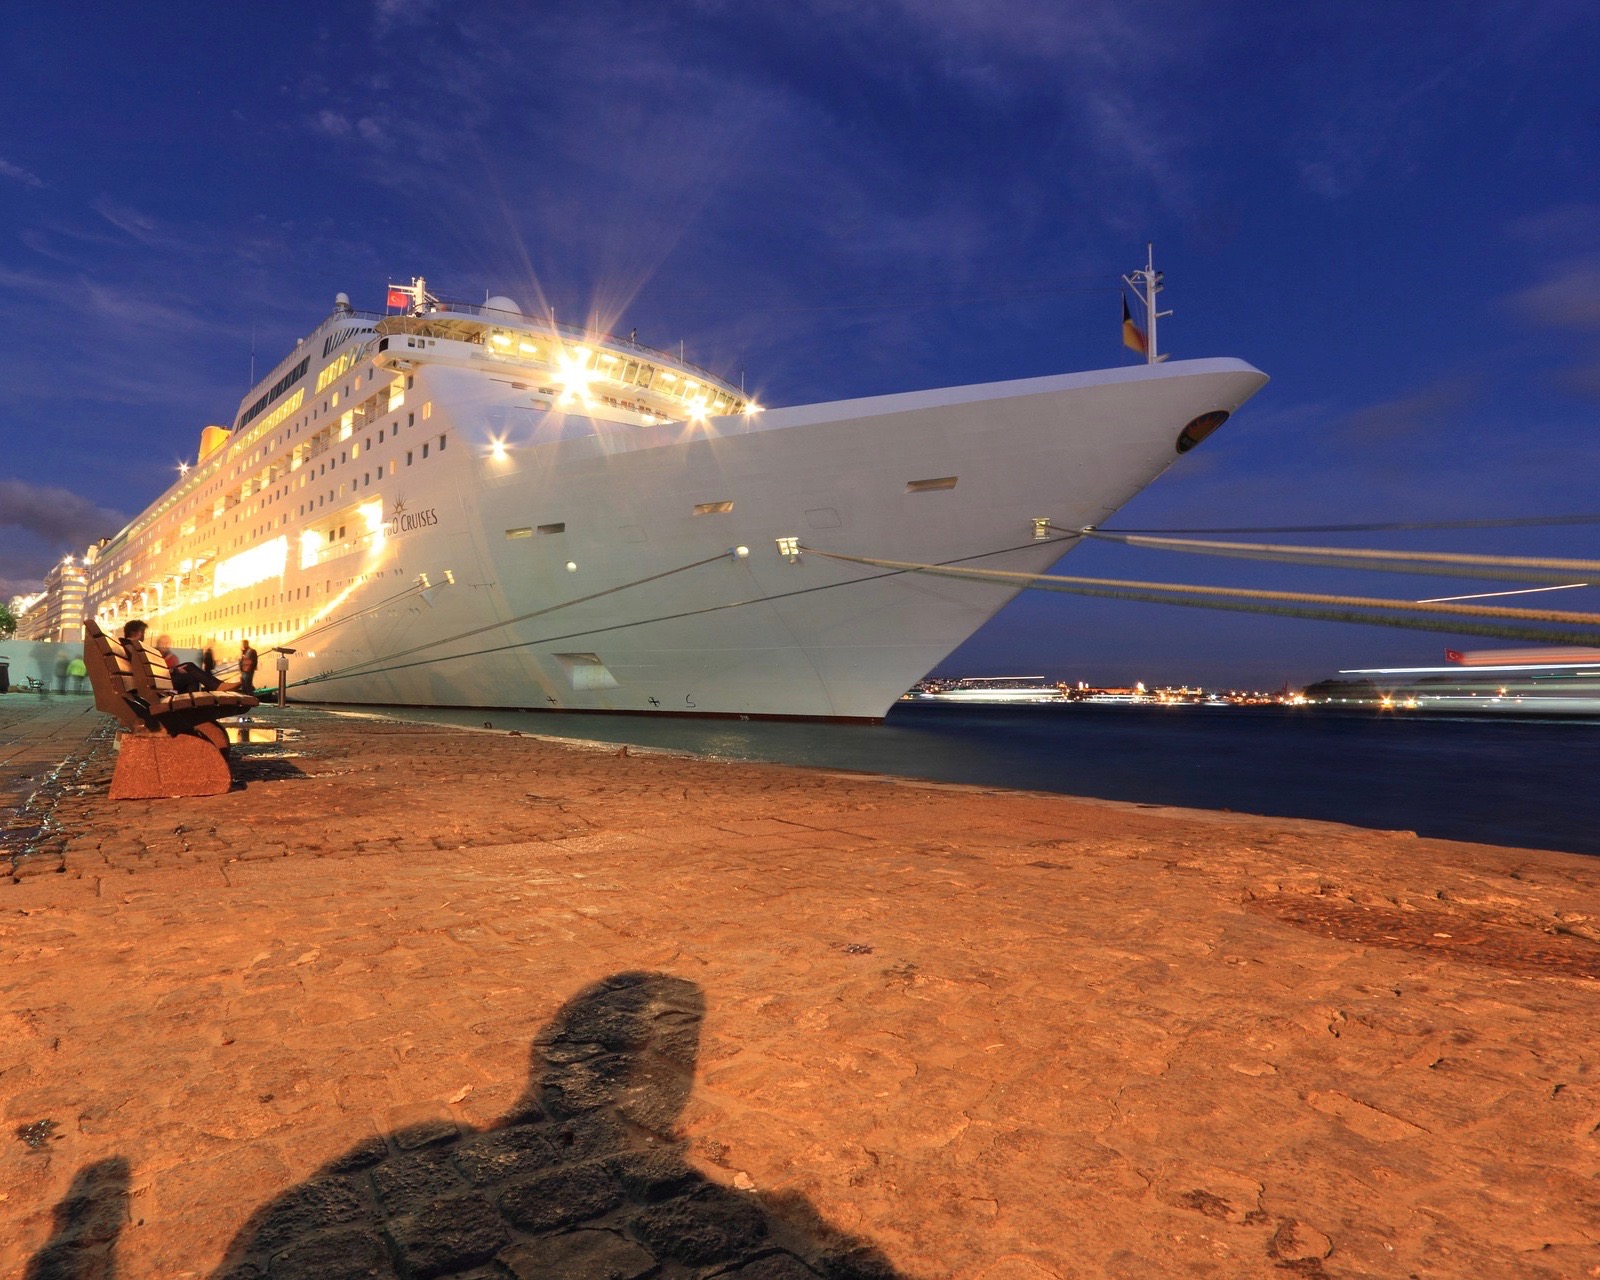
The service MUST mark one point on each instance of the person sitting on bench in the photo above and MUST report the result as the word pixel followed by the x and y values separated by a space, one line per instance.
pixel 186 676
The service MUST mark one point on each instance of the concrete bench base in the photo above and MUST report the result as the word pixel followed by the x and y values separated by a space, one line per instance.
pixel 154 766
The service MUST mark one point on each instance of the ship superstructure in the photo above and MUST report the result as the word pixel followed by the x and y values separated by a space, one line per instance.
pixel 465 506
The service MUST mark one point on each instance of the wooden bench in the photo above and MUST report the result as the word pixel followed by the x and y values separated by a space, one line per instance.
pixel 172 744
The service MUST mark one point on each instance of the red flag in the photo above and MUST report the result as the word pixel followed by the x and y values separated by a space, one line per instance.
pixel 1450 655
pixel 400 298
pixel 1132 335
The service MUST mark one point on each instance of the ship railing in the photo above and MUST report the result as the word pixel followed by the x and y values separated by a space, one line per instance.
pixel 453 307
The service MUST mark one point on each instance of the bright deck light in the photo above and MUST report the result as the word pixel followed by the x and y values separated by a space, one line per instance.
pixel 497 450
pixel 575 375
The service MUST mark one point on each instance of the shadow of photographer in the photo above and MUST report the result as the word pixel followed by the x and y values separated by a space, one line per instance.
pixel 88 1221
pixel 583 1178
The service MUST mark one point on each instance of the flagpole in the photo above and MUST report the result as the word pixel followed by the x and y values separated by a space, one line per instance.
pixel 1146 283
pixel 1153 284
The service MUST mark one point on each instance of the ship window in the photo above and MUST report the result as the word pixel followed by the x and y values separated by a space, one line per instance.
pixel 931 486
pixel 560 526
pixel 427 410
pixel 408 457
pixel 519 533
pixel 424 451
pixel 441 443
pixel 380 437
pixel 712 508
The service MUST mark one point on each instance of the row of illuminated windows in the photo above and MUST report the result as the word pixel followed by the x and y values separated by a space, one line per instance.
pixel 141 545
pixel 276 390
pixel 707 399
pixel 335 371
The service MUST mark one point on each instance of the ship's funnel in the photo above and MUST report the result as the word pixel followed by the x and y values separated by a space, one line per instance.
pixel 212 439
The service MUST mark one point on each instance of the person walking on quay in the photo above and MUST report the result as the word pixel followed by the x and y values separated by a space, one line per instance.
pixel 248 661
pixel 208 664
pixel 79 673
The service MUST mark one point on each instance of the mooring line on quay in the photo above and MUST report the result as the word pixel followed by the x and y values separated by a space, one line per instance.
pixel 1391 526
pixel 1293 604
pixel 370 669
pixel 1451 564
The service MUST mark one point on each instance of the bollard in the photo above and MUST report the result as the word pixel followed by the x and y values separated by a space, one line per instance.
pixel 283 652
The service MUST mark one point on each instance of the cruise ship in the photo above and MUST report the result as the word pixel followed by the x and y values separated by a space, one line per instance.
pixel 456 505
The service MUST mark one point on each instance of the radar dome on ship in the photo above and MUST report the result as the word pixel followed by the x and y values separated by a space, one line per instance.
pixel 341 301
pixel 502 303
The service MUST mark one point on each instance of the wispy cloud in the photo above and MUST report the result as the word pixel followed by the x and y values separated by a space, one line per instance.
pixel 145 228
pixel 1420 412
pixel 18 174
pixel 1567 301
pixel 1567 298
pixel 390 15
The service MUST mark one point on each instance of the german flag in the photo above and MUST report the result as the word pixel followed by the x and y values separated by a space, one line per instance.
pixel 1132 335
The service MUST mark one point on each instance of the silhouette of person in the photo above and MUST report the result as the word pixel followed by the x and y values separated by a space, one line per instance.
pixel 87 1224
pixel 583 1179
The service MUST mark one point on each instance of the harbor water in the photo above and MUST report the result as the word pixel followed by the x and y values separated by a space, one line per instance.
pixel 1494 780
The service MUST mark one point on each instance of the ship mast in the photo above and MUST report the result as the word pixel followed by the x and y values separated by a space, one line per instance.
pixel 1146 283
pixel 417 291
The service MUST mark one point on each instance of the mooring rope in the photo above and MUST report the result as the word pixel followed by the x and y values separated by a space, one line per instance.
pixel 329 624
pixel 1431 563
pixel 361 668
pixel 1375 611
pixel 1392 526
pixel 367 669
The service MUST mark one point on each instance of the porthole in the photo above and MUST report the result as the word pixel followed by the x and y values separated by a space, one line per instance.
pixel 1200 428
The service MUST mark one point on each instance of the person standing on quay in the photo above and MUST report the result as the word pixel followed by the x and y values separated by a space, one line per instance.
pixel 248 661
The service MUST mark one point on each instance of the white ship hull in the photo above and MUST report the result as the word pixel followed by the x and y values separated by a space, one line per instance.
pixel 759 635
pixel 457 539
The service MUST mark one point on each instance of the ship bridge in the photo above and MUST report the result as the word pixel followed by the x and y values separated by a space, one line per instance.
pixel 572 364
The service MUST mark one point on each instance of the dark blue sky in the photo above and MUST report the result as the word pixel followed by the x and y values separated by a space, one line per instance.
pixel 1392 209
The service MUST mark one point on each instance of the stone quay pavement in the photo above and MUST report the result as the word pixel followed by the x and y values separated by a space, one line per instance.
pixel 415 1001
